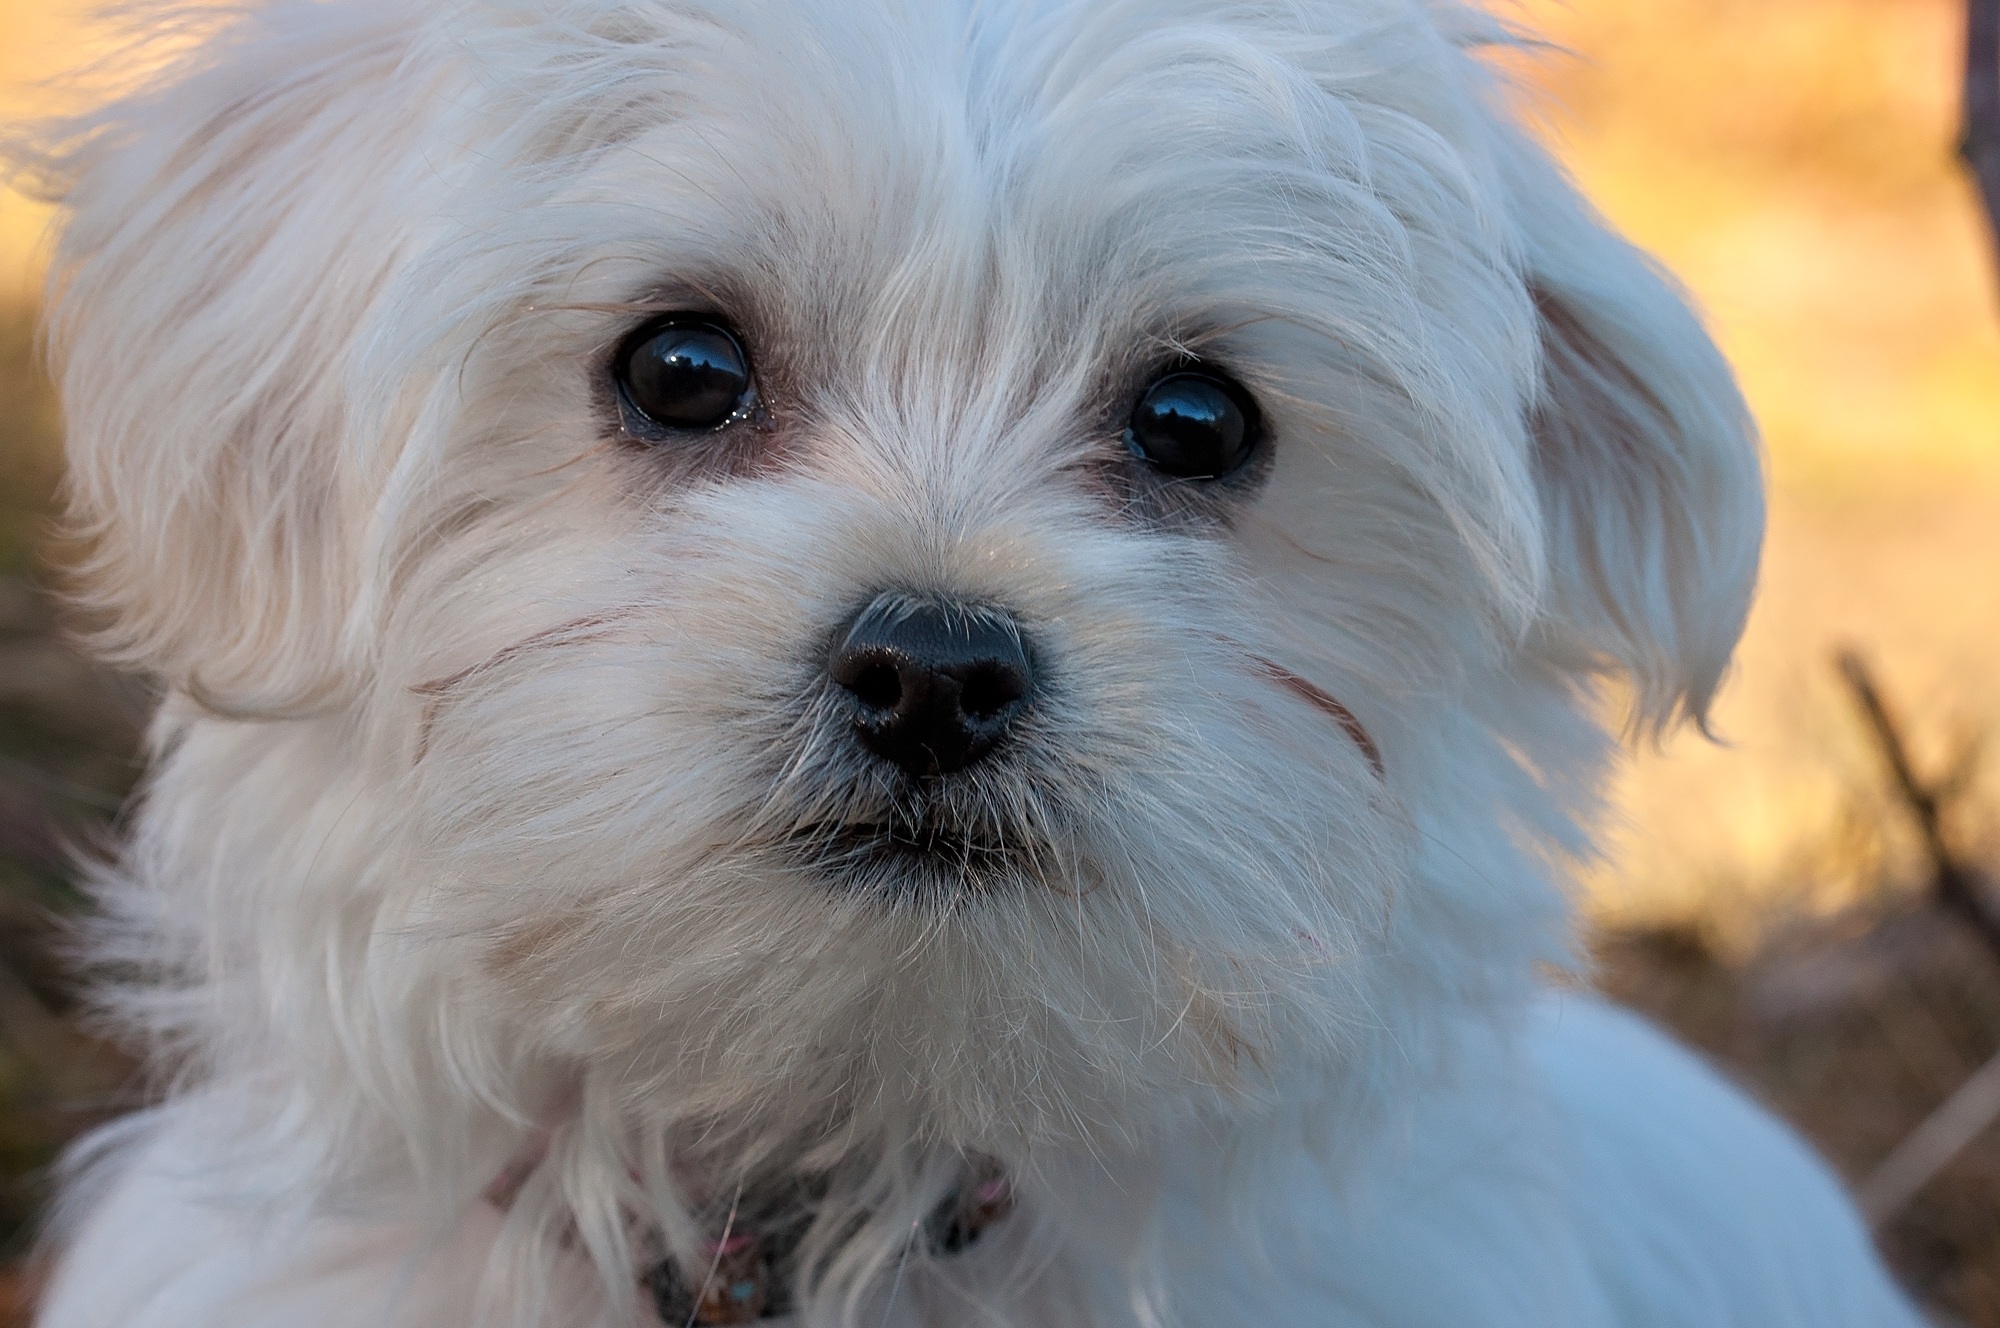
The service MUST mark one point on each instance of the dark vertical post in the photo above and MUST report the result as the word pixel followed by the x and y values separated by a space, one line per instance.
pixel 1979 142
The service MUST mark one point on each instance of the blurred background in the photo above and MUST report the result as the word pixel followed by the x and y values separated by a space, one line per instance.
pixel 1772 897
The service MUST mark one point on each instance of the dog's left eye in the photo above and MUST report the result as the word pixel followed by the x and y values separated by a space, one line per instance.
pixel 685 372
pixel 1194 424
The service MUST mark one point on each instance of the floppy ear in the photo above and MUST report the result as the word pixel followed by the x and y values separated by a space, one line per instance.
pixel 226 232
pixel 1646 458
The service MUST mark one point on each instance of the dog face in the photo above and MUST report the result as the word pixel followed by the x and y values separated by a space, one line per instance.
pixel 1010 573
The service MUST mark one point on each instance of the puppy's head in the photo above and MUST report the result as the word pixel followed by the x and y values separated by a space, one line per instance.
pixel 1015 569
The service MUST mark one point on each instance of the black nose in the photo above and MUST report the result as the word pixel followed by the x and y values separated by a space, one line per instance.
pixel 935 685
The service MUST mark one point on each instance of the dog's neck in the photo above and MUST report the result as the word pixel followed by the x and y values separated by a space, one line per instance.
pixel 744 1269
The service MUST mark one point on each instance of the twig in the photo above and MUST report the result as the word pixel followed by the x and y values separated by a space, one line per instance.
pixel 1970 1110
pixel 1934 1143
pixel 1979 141
pixel 1956 885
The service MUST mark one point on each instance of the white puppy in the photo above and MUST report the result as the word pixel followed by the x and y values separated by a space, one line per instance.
pixel 891 662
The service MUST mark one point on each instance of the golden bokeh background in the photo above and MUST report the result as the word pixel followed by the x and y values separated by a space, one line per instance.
pixel 40 41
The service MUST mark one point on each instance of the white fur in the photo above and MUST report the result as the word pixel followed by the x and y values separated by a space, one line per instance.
pixel 485 726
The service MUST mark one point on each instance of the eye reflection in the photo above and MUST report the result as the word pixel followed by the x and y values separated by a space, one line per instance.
pixel 687 372
pixel 1193 424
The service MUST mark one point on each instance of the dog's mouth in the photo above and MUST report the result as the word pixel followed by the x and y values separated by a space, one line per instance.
pixel 916 861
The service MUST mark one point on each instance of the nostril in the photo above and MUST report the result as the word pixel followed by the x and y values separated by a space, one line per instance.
pixel 988 691
pixel 878 685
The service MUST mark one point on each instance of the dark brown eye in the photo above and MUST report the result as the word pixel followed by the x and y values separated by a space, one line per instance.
pixel 685 371
pixel 1194 424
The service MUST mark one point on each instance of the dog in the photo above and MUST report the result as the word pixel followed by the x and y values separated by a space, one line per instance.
pixel 862 662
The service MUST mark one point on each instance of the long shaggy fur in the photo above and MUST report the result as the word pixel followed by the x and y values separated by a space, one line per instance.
pixel 498 771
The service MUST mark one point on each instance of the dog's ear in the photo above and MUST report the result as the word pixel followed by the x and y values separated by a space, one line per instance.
pixel 1646 459
pixel 226 229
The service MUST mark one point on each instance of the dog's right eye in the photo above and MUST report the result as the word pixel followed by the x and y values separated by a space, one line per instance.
pixel 685 371
pixel 1194 424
